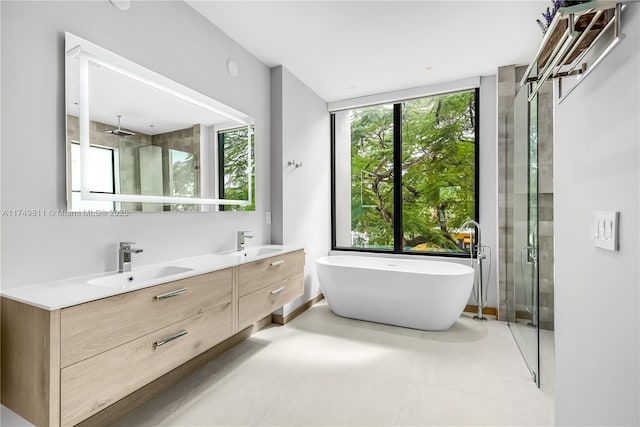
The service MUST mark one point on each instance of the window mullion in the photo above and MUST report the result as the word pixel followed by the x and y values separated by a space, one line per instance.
pixel 397 178
pixel 333 180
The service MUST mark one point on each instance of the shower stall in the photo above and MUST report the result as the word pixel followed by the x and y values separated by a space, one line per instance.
pixel 527 227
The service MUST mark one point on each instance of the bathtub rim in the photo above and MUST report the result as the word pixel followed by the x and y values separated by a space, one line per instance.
pixel 458 268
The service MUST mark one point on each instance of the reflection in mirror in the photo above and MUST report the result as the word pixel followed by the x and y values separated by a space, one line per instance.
pixel 233 181
pixel 137 141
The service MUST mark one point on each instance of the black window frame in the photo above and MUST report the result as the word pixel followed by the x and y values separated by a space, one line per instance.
pixel 397 184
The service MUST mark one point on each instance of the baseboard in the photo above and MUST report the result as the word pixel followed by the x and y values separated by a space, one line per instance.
pixel 523 315
pixel 283 320
pixel 492 311
pixel 109 415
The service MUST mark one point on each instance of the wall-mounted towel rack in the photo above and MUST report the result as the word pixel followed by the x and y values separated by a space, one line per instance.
pixel 574 31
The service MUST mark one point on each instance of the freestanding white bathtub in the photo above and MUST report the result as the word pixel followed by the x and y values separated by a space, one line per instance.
pixel 418 294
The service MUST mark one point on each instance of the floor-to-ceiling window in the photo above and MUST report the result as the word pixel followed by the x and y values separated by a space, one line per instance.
pixel 405 175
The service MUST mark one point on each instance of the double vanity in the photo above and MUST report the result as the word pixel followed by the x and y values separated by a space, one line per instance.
pixel 72 348
pixel 77 349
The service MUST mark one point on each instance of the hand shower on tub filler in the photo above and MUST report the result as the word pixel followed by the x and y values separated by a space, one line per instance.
pixel 480 291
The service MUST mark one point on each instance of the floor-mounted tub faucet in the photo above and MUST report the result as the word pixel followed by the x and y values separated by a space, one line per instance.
pixel 240 236
pixel 468 224
pixel 124 256
pixel 480 292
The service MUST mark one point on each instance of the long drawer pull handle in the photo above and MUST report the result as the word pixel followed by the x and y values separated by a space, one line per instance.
pixel 275 263
pixel 277 291
pixel 170 338
pixel 171 294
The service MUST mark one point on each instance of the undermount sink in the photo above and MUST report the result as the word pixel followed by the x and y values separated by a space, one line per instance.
pixel 136 276
pixel 254 252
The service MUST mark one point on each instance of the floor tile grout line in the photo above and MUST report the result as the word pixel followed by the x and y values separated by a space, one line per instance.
pixel 406 393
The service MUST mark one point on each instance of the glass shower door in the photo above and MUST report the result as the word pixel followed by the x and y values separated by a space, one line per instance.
pixel 523 303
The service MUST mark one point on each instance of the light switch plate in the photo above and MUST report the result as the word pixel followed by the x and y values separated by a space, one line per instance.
pixel 267 217
pixel 604 230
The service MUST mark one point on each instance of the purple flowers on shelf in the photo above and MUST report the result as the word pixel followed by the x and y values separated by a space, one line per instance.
pixel 548 15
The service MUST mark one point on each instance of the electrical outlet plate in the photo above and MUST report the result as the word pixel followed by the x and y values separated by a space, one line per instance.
pixel 604 230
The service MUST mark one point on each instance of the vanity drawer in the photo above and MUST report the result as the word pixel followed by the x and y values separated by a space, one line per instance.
pixel 258 304
pixel 261 273
pixel 97 326
pixel 95 383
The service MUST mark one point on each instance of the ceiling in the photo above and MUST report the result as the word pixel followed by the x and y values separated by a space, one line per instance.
pixel 346 49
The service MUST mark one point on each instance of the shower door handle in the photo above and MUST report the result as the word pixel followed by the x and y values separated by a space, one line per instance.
pixel 532 254
pixel 531 258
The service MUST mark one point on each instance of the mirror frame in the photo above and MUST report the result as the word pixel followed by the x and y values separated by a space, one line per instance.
pixel 85 53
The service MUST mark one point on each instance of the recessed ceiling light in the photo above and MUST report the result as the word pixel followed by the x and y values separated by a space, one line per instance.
pixel 352 87
pixel 232 68
pixel 121 4
pixel 428 68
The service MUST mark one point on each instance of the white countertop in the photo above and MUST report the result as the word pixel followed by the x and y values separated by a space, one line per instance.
pixel 68 292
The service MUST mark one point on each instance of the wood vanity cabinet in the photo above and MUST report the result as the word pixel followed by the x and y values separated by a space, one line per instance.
pixel 111 347
pixel 268 284
pixel 92 328
pixel 61 367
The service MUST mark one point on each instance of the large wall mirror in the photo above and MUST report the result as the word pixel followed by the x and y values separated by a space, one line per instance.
pixel 138 141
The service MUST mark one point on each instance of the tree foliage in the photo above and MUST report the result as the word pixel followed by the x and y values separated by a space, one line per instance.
pixel 185 179
pixel 438 171
pixel 234 163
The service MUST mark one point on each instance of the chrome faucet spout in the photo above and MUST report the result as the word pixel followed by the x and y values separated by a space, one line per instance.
pixel 478 242
pixel 240 236
pixel 124 256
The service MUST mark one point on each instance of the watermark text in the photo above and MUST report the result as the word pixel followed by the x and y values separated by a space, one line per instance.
pixel 61 212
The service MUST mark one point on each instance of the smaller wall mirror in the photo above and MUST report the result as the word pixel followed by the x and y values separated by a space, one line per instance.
pixel 138 141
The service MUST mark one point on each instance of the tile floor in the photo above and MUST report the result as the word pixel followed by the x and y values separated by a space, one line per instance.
pixel 8 418
pixel 529 342
pixel 325 370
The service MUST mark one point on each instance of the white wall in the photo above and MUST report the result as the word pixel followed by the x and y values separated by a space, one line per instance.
pixel 597 165
pixel 168 37
pixel 303 125
pixel 342 176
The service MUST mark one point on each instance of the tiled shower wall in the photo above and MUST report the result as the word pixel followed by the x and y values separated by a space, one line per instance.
pixel 508 85
pixel 506 97
pixel 545 204
pixel 186 140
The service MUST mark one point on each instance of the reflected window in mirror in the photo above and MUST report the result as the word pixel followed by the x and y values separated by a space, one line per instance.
pixel 236 167
pixel 102 176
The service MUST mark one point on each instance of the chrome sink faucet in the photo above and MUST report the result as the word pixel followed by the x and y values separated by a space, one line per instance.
pixel 124 256
pixel 240 236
